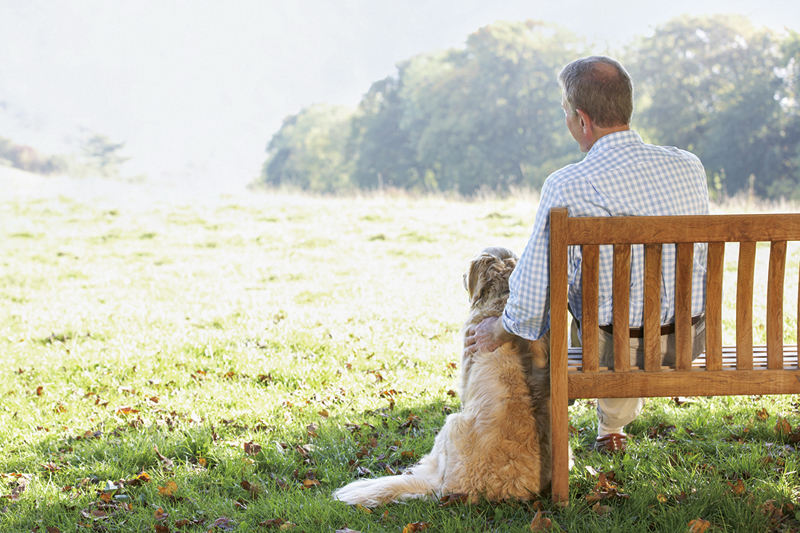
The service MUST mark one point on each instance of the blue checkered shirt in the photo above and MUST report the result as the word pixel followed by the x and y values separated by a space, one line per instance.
pixel 620 176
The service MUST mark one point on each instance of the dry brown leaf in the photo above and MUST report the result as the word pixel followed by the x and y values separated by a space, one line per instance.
pixel 762 414
pixel 601 509
pixel 161 528
pixel 169 488
pixel 252 448
pixel 252 488
pixel 541 523
pixel 143 477
pixel 737 488
pixel 416 526
pixel 52 529
pixel 698 525
pixel 453 499
pixel 160 514
pixel 165 462
pixel 782 426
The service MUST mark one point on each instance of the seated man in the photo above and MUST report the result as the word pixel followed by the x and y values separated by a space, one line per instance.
pixel 620 176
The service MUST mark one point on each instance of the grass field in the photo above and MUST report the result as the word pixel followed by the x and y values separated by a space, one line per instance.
pixel 225 364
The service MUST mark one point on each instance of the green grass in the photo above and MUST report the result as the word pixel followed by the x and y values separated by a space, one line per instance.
pixel 270 346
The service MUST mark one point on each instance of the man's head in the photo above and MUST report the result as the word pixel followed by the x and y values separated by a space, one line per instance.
pixel 597 97
pixel 601 87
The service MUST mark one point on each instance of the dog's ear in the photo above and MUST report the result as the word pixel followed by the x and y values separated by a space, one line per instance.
pixel 475 280
pixel 488 272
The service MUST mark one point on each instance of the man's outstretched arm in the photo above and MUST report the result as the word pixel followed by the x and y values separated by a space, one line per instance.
pixel 487 336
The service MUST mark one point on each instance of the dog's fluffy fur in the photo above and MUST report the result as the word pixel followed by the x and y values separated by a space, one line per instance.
pixel 498 445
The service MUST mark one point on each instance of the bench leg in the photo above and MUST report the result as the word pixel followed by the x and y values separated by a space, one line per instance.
pixel 560 449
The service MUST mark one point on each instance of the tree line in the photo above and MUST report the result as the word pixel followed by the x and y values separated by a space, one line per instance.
pixel 99 156
pixel 488 116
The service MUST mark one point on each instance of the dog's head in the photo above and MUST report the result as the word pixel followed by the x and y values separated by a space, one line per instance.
pixel 487 277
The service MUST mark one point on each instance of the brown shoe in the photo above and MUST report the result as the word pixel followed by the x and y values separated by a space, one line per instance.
pixel 611 443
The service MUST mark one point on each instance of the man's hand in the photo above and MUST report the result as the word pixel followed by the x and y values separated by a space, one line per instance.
pixel 487 336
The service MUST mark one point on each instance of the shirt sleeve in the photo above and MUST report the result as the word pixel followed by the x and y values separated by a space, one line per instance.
pixel 527 312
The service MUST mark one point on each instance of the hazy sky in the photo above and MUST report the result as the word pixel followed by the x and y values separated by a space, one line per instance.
pixel 196 88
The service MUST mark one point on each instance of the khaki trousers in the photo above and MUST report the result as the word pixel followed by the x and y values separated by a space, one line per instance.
pixel 615 413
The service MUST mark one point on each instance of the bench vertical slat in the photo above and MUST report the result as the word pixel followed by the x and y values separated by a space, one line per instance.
pixel 652 307
pixel 744 306
pixel 559 330
pixel 621 288
pixel 590 280
pixel 777 270
pixel 683 305
pixel 715 271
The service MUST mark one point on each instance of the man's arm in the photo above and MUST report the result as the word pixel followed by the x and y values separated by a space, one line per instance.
pixel 487 336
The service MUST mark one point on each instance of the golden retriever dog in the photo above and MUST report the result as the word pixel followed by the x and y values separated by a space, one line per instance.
pixel 498 446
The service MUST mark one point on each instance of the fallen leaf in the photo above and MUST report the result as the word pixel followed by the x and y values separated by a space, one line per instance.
pixel 698 525
pixel 308 483
pixel 160 514
pixel 541 523
pixel 453 499
pixel 161 528
pixel 143 477
pixel 224 523
pixel 601 509
pixel 52 529
pixel 782 426
pixel 416 526
pixel 762 414
pixel 737 488
pixel 363 509
pixel 169 488
pixel 251 448
pixel 165 462
pixel 252 488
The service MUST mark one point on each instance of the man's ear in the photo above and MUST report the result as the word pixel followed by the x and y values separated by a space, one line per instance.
pixel 585 120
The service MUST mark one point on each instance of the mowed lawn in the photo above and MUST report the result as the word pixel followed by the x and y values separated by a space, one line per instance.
pixel 225 363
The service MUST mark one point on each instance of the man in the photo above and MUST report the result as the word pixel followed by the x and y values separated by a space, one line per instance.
pixel 620 176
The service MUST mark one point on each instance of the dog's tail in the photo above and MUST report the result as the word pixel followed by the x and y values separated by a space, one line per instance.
pixel 374 492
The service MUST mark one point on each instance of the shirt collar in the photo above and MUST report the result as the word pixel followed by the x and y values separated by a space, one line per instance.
pixel 611 140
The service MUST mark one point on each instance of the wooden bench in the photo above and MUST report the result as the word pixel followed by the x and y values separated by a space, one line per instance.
pixel 742 369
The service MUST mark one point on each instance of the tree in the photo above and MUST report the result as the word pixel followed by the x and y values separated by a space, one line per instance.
pixel 379 148
pixel 103 155
pixel 712 85
pixel 309 150
pixel 489 115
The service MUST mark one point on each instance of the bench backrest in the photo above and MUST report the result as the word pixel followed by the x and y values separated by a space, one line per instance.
pixel 588 380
